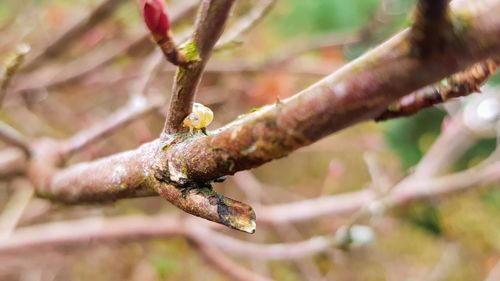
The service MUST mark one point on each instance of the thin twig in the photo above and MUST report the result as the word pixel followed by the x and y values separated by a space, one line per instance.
pixel 90 229
pixel 431 28
pixel 13 162
pixel 254 191
pixel 15 207
pixel 349 203
pixel 209 26
pixel 455 139
pixel 13 137
pixel 136 108
pixel 148 70
pixel 223 264
pixel 301 46
pixel 245 24
pixel 450 146
pixel 267 252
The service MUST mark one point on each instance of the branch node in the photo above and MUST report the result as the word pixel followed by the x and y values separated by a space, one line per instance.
pixel 432 28
pixel 458 85
pixel 199 199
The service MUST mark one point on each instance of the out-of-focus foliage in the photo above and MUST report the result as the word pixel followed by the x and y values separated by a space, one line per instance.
pixel 411 137
pixel 306 17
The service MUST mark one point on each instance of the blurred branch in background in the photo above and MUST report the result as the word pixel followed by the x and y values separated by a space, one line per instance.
pixel 80 68
pixel 61 43
pixel 14 209
pixel 245 24
pixel 12 137
pixel 396 79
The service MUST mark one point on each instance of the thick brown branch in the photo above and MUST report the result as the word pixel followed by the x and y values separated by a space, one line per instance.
pixel 140 228
pixel 128 174
pixel 125 174
pixel 208 204
pixel 360 91
pixel 458 85
pixel 267 252
pixel 432 27
pixel 209 26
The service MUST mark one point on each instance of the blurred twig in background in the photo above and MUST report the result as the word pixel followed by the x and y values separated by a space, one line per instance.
pixel 395 79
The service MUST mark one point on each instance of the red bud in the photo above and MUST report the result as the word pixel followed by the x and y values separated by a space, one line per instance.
pixel 155 16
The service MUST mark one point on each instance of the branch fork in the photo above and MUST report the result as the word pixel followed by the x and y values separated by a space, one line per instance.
pixel 432 28
pixel 157 20
pixel 199 198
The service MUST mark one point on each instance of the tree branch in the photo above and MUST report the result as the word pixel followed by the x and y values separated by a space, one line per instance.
pixel 81 68
pixel 13 137
pixel 225 265
pixel 93 229
pixel 450 146
pixel 140 228
pixel 137 107
pixel 13 162
pixel 432 27
pixel 245 24
pixel 209 26
pixel 359 91
pixel 208 204
pixel 267 252
pixel 458 85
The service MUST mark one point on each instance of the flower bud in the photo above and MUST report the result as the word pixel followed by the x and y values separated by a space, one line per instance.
pixel 155 16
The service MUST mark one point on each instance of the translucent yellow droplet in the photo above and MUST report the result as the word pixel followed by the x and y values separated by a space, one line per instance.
pixel 200 117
